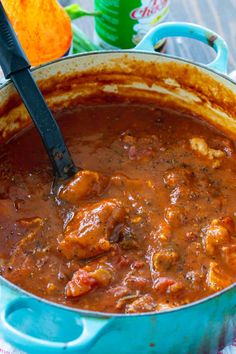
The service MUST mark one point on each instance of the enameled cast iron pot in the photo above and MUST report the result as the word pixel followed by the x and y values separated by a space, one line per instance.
pixel 38 326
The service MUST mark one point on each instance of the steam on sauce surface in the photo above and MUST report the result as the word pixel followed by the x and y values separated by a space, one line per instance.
pixel 149 224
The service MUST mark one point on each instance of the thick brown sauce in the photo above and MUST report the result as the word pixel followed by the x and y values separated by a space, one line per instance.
pixel 170 236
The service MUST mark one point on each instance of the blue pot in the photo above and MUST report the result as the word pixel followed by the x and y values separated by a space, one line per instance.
pixel 36 326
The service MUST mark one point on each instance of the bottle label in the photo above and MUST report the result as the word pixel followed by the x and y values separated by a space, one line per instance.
pixel 124 22
pixel 150 9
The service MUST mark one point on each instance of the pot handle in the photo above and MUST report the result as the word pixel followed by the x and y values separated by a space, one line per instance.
pixel 92 329
pixel 190 30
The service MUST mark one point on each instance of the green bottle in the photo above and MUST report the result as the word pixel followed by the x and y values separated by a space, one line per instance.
pixel 123 23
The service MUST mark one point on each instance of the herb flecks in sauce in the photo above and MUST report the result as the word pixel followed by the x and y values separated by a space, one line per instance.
pixel 149 223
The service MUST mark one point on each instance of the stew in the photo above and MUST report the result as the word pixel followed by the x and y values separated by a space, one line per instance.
pixel 147 224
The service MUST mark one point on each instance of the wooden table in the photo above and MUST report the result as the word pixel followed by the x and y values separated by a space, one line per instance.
pixel 217 15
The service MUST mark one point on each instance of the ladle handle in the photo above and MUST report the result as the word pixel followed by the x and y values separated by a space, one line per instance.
pixel 12 57
pixel 16 67
pixel 63 166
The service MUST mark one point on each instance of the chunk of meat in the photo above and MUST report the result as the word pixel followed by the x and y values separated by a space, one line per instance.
pixel 229 255
pixel 135 193
pixel 218 234
pixel 32 227
pixel 217 279
pixel 178 177
pixel 118 291
pixel 176 287
pixel 122 301
pixel 136 282
pixel 222 143
pixel 143 304
pixel 162 234
pixel 122 182
pixel 228 223
pixel 88 233
pixel 175 215
pixel 163 306
pixel 164 259
pixel 83 281
pixel 102 276
pixel 21 263
pixel 31 223
pixel 181 182
pixel 200 146
pixel 84 185
pixel 167 285
pixel 140 148
pixel 51 288
pixel 80 284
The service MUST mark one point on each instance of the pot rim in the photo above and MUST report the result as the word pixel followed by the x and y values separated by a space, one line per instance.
pixel 106 314
pixel 126 51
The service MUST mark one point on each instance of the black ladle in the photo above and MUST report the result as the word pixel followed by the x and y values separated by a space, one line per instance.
pixel 15 66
